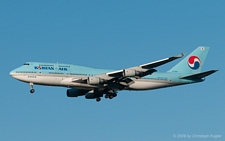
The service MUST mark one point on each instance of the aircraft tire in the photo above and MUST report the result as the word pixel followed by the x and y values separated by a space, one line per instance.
pixel 111 97
pixel 98 99
pixel 32 91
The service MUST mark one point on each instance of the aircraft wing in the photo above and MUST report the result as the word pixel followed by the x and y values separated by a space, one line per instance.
pixel 122 78
pixel 118 80
pixel 143 70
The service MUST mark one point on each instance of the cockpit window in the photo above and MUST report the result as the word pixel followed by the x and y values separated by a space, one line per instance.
pixel 26 64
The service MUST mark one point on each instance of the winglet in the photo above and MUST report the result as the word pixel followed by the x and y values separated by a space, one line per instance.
pixel 182 54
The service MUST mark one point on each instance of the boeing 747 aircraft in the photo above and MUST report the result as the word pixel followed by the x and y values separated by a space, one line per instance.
pixel 95 83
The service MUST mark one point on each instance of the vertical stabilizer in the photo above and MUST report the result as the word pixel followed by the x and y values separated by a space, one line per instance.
pixel 193 63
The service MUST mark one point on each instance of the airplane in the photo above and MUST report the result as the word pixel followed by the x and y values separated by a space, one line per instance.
pixel 95 83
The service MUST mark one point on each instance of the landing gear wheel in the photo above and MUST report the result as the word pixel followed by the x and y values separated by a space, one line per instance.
pixel 32 91
pixel 111 97
pixel 98 99
pixel 106 96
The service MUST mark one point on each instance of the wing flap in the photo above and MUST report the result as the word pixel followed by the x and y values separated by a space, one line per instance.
pixel 119 83
pixel 148 72
pixel 79 80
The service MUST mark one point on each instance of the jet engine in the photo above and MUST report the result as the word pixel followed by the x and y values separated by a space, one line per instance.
pixel 74 93
pixel 130 73
pixel 94 80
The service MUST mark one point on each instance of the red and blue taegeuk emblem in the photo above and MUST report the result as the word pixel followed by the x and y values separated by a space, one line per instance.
pixel 194 62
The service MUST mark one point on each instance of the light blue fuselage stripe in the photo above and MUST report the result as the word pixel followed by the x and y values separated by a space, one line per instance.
pixel 70 70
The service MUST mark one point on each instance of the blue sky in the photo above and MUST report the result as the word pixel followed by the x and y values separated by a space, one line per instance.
pixel 114 35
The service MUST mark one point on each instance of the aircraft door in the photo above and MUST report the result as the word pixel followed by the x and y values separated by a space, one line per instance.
pixel 56 67
pixel 58 77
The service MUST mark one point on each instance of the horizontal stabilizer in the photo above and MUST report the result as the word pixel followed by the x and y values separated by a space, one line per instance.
pixel 199 75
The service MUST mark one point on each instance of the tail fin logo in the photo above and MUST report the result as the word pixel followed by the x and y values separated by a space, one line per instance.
pixel 194 62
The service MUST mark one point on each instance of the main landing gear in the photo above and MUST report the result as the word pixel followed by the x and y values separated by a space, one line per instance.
pixel 110 96
pixel 98 99
pixel 31 88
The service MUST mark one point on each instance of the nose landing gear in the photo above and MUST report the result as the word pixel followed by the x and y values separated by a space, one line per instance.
pixel 31 88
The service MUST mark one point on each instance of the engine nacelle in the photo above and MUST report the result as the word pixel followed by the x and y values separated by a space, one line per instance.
pixel 74 93
pixel 94 80
pixel 130 73
pixel 93 95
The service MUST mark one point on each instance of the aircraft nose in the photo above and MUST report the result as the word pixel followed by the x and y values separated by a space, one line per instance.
pixel 12 73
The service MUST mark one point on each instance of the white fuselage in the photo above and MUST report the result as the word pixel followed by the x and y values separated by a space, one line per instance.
pixel 64 75
pixel 66 81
